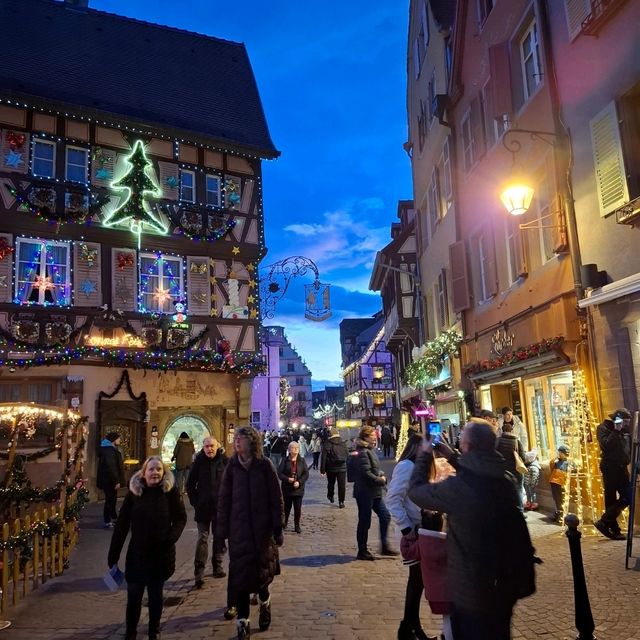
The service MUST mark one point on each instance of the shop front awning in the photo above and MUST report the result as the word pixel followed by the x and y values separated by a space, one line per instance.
pixel 528 367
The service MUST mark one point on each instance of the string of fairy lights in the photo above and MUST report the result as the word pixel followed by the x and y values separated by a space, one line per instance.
pixel 583 483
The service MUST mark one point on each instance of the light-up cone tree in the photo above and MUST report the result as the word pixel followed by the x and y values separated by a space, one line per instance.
pixel 138 187
pixel 583 484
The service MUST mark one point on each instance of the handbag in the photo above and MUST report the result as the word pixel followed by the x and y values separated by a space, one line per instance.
pixel 410 549
pixel 521 467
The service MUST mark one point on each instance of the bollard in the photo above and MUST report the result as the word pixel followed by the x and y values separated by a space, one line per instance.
pixel 584 617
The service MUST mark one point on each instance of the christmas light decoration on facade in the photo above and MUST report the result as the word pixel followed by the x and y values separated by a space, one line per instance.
pixel 431 355
pixel 138 186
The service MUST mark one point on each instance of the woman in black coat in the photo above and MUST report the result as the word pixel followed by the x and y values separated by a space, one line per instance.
pixel 250 516
pixel 154 512
pixel 293 473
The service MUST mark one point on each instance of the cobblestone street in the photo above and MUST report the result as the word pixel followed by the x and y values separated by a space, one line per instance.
pixel 323 591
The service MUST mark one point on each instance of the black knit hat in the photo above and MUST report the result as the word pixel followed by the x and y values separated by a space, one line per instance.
pixel 112 436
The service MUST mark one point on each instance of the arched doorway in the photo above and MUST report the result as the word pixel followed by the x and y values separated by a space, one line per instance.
pixel 196 428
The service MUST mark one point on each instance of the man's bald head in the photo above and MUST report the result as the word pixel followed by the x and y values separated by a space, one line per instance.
pixel 478 436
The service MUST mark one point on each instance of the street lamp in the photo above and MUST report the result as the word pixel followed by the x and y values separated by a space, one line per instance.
pixel 518 195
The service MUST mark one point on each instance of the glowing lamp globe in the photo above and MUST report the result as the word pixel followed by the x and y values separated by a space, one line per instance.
pixel 355 399
pixel 517 198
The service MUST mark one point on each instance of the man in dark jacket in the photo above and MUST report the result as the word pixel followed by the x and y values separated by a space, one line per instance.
pixel 333 463
pixel 615 447
pixel 110 475
pixel 368 490
pixel 202 488
pixel 478 500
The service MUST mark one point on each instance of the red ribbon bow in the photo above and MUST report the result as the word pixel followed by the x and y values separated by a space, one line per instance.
pixel 16 140
pixel 125 260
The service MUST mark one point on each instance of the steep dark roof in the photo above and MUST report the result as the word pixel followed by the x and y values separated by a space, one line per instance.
pixel 155 74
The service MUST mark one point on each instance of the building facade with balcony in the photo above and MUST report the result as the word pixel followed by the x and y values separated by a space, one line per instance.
pixel 132 224
pixel 395 276
pixel 598 67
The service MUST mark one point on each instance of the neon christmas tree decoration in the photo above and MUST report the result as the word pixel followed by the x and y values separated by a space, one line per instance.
pixel 138 186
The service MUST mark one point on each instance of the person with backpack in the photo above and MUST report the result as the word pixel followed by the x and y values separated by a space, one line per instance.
pixel 490 557
pixel 333 463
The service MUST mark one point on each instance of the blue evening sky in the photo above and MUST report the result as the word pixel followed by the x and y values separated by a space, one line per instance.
pixel 332 77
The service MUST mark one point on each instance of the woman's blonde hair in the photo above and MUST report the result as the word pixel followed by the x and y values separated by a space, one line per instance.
pixel 365 432
pixel 137 484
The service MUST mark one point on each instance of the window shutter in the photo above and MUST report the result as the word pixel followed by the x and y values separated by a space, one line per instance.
pixel 479 139
pixel 517 81
pixel 577 11
pixel 459 276
pixel 629 115
pixel 520 262
pixel 124 280
pixel 198 289
pixel 103 162
pixel 499 68
pixel 611 180
pixel 14 155
pixel 490 267
pixel 169 179
pixel 87 274
pixel 6 269
pixel 444 309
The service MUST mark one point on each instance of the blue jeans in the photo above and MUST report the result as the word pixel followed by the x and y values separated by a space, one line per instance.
pixel 367 504
pixel 181 478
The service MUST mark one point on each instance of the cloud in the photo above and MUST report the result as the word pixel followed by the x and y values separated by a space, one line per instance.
pixel 347 238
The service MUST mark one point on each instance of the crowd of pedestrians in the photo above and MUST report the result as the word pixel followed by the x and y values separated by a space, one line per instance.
pixel 458 509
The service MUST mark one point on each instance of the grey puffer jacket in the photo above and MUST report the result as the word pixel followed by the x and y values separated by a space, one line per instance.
pixel 473 500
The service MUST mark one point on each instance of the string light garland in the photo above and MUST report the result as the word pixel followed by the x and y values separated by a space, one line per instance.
pixel 432 354
pixel 519 355
pixel 245 363
pixel 52 216
pixel 583 482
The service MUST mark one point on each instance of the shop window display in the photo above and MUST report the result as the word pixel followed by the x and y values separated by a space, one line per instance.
pixel 548 400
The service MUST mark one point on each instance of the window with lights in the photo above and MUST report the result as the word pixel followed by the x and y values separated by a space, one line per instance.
pixel 43 272
pixel 161 282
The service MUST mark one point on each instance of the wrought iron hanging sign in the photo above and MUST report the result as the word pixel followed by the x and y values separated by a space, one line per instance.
pixel 317 301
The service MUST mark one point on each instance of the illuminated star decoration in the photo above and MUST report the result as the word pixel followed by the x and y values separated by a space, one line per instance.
pixel 138 186
pixel 250 299
pixel 88 287
pixel 162 295
pixel 253 314
pixel 235 251
pixel 43 283
pixel 13 159
pixel 3 281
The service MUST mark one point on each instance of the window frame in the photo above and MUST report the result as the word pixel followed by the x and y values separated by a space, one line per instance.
pixel 432 92
pixel 443 302
pixel 42 293
pixel 483 11
pixel 512 230
pixel 434 201
pixel 34 159
pixel 192 173
pixel 160 278
pixel 85 151
pixel 446 178
pixel 424 26
pixel 218 192
pixel 468 142
pixel 291 367
pixel 532 30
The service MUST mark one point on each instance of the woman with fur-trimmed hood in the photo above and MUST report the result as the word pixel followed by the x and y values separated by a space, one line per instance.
pixel 154 512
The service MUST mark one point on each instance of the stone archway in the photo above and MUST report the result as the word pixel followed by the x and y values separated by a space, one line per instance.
pixel 194 425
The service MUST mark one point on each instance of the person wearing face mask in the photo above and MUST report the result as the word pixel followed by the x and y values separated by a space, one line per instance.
pixel 251 517
pixel 615 455
pixel 154 513
pixel 202 488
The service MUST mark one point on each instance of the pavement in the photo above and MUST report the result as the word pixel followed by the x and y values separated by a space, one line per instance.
pixel 323 592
